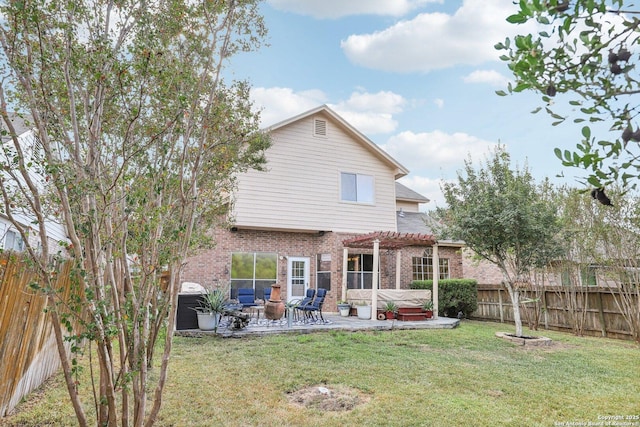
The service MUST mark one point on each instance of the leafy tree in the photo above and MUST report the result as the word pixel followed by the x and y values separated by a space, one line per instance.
pixel 584 53
pixel 607 240
pixel 504 217
pixel 139 140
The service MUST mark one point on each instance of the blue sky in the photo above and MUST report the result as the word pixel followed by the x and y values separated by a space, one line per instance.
pixel 417 77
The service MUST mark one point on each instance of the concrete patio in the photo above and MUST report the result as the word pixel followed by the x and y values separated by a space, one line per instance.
pixel 333 322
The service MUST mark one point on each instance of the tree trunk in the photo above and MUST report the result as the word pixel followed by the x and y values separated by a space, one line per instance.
pixel 515 302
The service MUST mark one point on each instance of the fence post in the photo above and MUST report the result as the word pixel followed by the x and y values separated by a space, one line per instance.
pixel 544 308
pixel 603 325
pixel 500 304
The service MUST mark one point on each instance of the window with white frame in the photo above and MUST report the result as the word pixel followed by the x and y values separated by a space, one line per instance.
pixel 423 266
pixel 359 271
pixel 256 270
pixel 13 241
pixel 356 187
pixel 323 271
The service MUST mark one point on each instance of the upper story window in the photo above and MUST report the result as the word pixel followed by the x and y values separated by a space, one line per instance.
pixel 320 128
pixel 356 188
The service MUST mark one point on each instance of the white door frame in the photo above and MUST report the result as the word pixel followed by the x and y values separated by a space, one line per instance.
pixel 291 278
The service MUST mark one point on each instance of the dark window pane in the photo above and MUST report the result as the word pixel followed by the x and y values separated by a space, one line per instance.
pixel 352 281
pixel 367 280
pixel 367 262
pixel 324 281
pixel 236 284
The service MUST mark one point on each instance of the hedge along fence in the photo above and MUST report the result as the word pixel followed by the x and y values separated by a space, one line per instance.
pixel 587 310
pixel 28 352
pixel 454 295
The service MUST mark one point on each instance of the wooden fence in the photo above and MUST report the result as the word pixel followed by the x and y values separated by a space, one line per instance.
pixel 588 310
pixel 28 352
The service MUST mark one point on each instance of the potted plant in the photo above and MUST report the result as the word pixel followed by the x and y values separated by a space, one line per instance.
pixel 390 309
pixel 364 310
pixel 427 306
pixel 344 307
pixel 211 307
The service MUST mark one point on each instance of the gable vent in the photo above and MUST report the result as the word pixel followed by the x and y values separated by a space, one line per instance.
pixel 319 127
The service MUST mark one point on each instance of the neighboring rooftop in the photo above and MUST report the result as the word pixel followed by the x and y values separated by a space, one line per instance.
pixel 406 194
pixel 413 222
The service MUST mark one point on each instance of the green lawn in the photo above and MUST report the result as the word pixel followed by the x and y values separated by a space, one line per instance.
pixel 459 377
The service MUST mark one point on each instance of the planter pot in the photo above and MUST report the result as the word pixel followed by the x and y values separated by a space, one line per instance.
pixel 208 321
pixel 428 314
pixel 344 309
pixel 364 311
pixel 274 307
pixel 390 315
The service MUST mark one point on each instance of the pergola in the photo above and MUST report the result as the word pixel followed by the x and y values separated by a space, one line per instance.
pixel 394 241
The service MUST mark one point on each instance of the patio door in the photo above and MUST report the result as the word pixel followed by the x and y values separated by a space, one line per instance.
pixel 297 277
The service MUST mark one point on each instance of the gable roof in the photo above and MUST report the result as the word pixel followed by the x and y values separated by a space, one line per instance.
pixel 400 170
pixel 406 194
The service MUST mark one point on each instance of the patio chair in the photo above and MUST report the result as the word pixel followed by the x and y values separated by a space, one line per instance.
pixel 314 309
pixel 267 294
pixel 247 297
pixel 308 299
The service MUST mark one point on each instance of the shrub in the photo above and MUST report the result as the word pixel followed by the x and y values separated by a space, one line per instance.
pixel 454 295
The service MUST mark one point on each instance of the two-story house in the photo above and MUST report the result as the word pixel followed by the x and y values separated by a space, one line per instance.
pixel 325 184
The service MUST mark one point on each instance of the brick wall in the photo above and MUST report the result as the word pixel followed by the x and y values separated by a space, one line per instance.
pixel 213 266
pixel 453 254
pixel 483 271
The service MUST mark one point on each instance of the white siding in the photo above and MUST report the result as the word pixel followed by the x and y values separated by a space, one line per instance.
pixel 55 230
pixel 301 188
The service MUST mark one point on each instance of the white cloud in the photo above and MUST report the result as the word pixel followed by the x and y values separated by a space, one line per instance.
pixel 383 101
pixel 433 41
pixel 435 150
pixel 371 113
pixel 369 123
pixel 439 102
pixel 333 9
pixel 491 77
pixel 279 103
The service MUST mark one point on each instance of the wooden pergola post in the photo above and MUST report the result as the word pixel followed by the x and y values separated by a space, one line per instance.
pixel 436 276
pixel 376 279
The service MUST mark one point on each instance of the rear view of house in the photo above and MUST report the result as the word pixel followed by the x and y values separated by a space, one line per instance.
pixel 324 183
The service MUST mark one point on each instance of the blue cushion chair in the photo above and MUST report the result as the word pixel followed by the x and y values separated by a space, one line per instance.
pixel 308 299
pixel 314 309
pixel 247 297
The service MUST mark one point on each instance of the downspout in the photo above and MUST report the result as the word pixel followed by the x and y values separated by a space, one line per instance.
pixel 345 265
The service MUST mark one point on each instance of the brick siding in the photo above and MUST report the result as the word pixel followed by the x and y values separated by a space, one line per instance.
pixel 212 267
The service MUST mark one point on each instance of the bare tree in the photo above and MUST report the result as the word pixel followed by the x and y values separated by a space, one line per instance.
pixel 139 140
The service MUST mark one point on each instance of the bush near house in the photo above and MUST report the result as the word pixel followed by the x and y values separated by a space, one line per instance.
pixel 454 295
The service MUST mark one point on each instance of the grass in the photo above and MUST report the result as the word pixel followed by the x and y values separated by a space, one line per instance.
pixel 460 377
